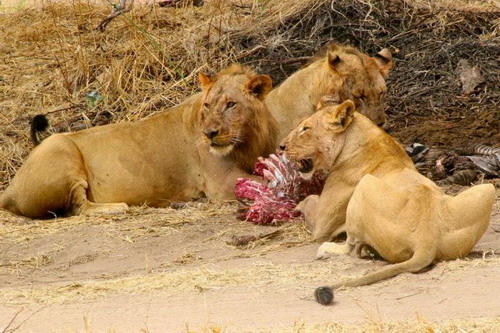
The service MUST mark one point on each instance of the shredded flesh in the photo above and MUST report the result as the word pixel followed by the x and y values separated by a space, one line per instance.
pixel 275 202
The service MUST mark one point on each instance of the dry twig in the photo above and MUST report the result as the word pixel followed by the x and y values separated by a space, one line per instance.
pixel 117 11
pixel 244 240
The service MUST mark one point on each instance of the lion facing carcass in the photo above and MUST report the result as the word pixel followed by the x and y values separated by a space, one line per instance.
pixel 375 194
pixel 343 71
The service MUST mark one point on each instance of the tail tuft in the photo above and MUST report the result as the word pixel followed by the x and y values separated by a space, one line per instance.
pixel 324 295
pixel 39 123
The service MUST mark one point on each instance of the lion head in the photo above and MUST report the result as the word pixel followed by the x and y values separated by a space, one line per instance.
pixel 317 141
pixel 234 120
pixel 350 74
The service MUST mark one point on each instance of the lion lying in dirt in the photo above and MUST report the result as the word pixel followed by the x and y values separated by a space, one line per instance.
pixel 343 71
pixel 196 149
pixel 375 194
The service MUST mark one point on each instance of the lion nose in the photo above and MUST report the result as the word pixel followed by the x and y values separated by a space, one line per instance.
pixel 211 133
pixel 282 146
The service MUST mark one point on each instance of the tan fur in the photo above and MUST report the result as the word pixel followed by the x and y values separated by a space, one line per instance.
pixel 375 194
pixel 155 161
pixel 342 71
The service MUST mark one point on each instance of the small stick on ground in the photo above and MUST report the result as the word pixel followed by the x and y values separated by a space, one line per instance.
pixel 117 11
pixel 6 329
pixel 244 240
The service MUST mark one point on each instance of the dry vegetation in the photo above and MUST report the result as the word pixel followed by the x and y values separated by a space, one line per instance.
pixel 376 326
pixel 53 61
pixel 372 326
pixel 52 58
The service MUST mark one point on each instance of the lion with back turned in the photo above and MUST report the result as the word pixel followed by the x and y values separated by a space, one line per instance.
pixel 196 149
pixel 374 193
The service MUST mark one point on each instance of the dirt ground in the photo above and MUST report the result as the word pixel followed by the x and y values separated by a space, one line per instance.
pixel 177 270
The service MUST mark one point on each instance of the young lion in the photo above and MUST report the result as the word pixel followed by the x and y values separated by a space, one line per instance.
pixel 343 71
pixel 375 194
pixel 198 148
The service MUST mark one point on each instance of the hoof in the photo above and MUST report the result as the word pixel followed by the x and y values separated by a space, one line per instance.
pixel 324 295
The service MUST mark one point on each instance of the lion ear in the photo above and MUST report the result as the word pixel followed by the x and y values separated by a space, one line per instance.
pixel 260 86
pixel 328 100
pixel 205 80
pixel 384 61
pixel 340 117
pixel 333 60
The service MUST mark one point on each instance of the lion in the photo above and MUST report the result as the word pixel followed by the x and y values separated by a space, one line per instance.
pixel 375 194
pixel 196 149
pixel 343 71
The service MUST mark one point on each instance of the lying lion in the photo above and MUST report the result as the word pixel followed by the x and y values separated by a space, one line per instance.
pixel 196 149
pixel 375 194
pixel 342 71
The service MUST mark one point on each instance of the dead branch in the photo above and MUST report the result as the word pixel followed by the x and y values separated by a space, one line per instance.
pixel 6 329
pixel 117 11
pixel 245 239
pixel 21 323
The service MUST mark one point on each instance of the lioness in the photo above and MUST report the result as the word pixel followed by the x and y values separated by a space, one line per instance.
pixel 343 71
pixel 376 195
pixel 196 149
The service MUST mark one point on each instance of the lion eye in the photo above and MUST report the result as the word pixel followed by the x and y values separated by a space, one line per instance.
pixel 305 128
pixel 206 105
pixel 230 104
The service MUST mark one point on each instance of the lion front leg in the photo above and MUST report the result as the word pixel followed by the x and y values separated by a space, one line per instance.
pixel 325 214
pixel 220 176
pixel 221 184
pixel 309 207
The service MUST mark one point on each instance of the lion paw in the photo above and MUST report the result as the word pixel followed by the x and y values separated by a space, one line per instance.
pixel 104 208
pixel 323 252
pixel 328 248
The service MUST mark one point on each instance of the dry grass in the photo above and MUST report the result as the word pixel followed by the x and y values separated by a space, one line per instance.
pixel 208 277
pixel 51 58
pixel 178 281
pixel 480 325
pixel 137 222
pixel 416 326
pixel 140 222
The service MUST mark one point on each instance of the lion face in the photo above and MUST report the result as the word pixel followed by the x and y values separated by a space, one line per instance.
pixel 231 104
pixel 362 79
pixel 314 144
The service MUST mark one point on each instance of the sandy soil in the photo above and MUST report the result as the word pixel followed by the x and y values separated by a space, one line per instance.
pixel 176 270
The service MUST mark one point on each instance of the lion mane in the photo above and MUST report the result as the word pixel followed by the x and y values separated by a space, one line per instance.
pixel 196 149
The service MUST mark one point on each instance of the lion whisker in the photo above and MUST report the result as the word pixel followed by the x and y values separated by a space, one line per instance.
pixel 236 140
pixel 202 139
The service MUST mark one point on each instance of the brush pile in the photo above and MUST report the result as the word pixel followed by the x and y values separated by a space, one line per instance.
pixel 54 61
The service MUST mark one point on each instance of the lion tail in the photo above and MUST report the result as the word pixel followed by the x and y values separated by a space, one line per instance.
pixel 420 260
pixel 39 123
